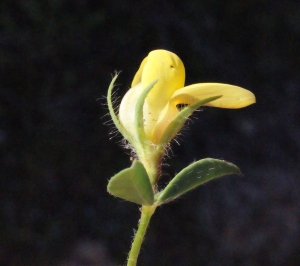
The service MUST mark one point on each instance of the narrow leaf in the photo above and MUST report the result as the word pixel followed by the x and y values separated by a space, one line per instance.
pixel 195 175
pixel 132 184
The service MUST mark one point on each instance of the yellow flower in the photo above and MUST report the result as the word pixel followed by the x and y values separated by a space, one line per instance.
pixel 160 106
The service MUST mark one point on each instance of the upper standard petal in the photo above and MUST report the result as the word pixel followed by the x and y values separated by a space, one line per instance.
pixel 168 69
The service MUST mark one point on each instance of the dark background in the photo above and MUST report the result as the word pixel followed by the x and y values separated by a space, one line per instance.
pixel 57 59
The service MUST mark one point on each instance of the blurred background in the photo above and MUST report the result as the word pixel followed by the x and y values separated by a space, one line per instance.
pixel 57 58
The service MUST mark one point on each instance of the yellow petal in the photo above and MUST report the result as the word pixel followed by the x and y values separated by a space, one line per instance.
pixel 168 69
pixel 166 116
pixel 233 97
pixel 127 108
pixel 138 75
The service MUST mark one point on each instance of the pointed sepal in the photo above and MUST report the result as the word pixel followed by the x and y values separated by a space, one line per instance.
pixel 178 121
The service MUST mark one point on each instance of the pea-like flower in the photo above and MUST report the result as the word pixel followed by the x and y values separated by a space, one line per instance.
pixel 150 115
pixel 160 108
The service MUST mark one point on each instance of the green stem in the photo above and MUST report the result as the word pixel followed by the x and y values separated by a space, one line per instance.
pixel 146 214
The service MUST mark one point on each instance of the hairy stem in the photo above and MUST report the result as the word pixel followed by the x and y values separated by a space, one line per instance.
pixel 146 214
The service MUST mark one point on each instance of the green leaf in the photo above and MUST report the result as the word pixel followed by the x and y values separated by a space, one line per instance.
pixel 195 175
pixel 176 124
pixel 132 184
